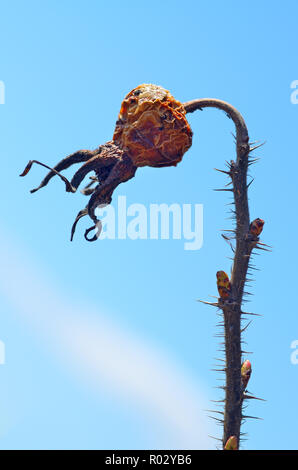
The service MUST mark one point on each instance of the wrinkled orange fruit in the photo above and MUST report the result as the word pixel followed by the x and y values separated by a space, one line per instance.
pixel 152 127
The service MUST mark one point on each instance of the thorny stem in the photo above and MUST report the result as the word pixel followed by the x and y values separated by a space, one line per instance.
pixel 244 245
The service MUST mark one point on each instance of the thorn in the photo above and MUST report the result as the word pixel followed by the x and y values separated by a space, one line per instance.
pixel 215 411
pixel 243 329
pixel 224 189
pixel 251 417
pixel 251 149
pixel 216 419
pixel 252 162
pixel 223 171
pixel 213 304
pixel 264 244
pixel 227 239
pixel 263 249
pixel 251 397
pixel 248 185
pixel 216 438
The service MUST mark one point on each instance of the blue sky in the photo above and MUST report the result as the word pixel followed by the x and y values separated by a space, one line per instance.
pixel 66 67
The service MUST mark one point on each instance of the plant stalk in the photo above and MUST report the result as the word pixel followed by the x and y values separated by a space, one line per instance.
pixel 244 245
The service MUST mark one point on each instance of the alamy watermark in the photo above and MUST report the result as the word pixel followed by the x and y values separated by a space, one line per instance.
pixel 2 353
pixel 156 221
pixel 294 355
pixel 2 92
pixel 294 94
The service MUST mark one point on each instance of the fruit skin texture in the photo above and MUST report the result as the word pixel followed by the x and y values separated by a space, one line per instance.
pixel 152 127
pixel 256 227
pixel 231 443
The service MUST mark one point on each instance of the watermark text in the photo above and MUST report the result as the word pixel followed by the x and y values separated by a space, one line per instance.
pixel 2 353
pixel 294 355
pixel 154 222
pixel 294 94
pixel 2 92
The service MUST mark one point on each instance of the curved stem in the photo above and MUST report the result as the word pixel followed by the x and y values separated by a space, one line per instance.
pixel 233 113
pixel 244 245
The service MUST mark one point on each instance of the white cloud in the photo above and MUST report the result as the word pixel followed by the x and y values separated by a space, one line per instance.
pixel 103 354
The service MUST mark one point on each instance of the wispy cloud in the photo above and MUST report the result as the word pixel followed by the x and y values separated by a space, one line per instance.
pixel 102 354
